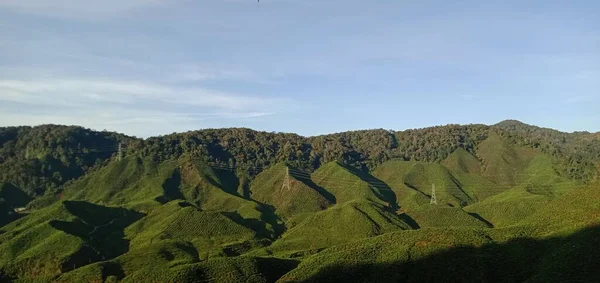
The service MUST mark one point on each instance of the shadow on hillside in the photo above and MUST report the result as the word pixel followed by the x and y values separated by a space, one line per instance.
pixel 260 226
pixel 171 188
pixel 309 182
pixel 382 190
pixel 101 228
pixel 574 258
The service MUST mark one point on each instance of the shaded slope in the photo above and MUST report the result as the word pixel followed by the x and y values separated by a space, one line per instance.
pixel 456 255
pixel 11 198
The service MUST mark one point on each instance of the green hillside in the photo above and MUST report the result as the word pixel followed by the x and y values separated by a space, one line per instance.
pixel 178 220
pixel 412 182
pixel 501 163
pixel 467 170
pixel 443 216
pixel 345 184
pixel 437 255
pixel 515 203
pixel 62 237
pixel 291 197
pixel 337 225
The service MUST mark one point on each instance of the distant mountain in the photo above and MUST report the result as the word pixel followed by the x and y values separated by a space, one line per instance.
pixel 470 202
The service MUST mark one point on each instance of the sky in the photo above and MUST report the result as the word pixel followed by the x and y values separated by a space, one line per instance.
pixel 153 67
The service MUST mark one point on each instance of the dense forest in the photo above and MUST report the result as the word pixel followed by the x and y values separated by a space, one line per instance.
pixel 43 158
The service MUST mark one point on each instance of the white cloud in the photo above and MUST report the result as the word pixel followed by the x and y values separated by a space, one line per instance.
pixel 141 109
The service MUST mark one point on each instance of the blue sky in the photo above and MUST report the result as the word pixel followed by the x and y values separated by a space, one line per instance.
pixel 151 67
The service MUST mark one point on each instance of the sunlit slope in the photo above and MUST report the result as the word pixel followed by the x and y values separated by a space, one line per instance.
pixel 178 220
pixel 503 164
pixel 467 170
pixel 412 183
pixel 574 210
pixel 143 184
pixel 299 195
pixel 345 184
pixel 538 183
pixel 340 224
pixel 133 182
pixel 62 237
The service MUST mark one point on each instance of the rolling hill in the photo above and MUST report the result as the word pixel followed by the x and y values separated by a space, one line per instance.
pixel 515 203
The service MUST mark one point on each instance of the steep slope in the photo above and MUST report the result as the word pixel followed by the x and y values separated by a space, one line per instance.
pixel 298 196
pixel 340 224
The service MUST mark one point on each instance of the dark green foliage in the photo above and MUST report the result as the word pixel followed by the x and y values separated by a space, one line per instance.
pixel 37 159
